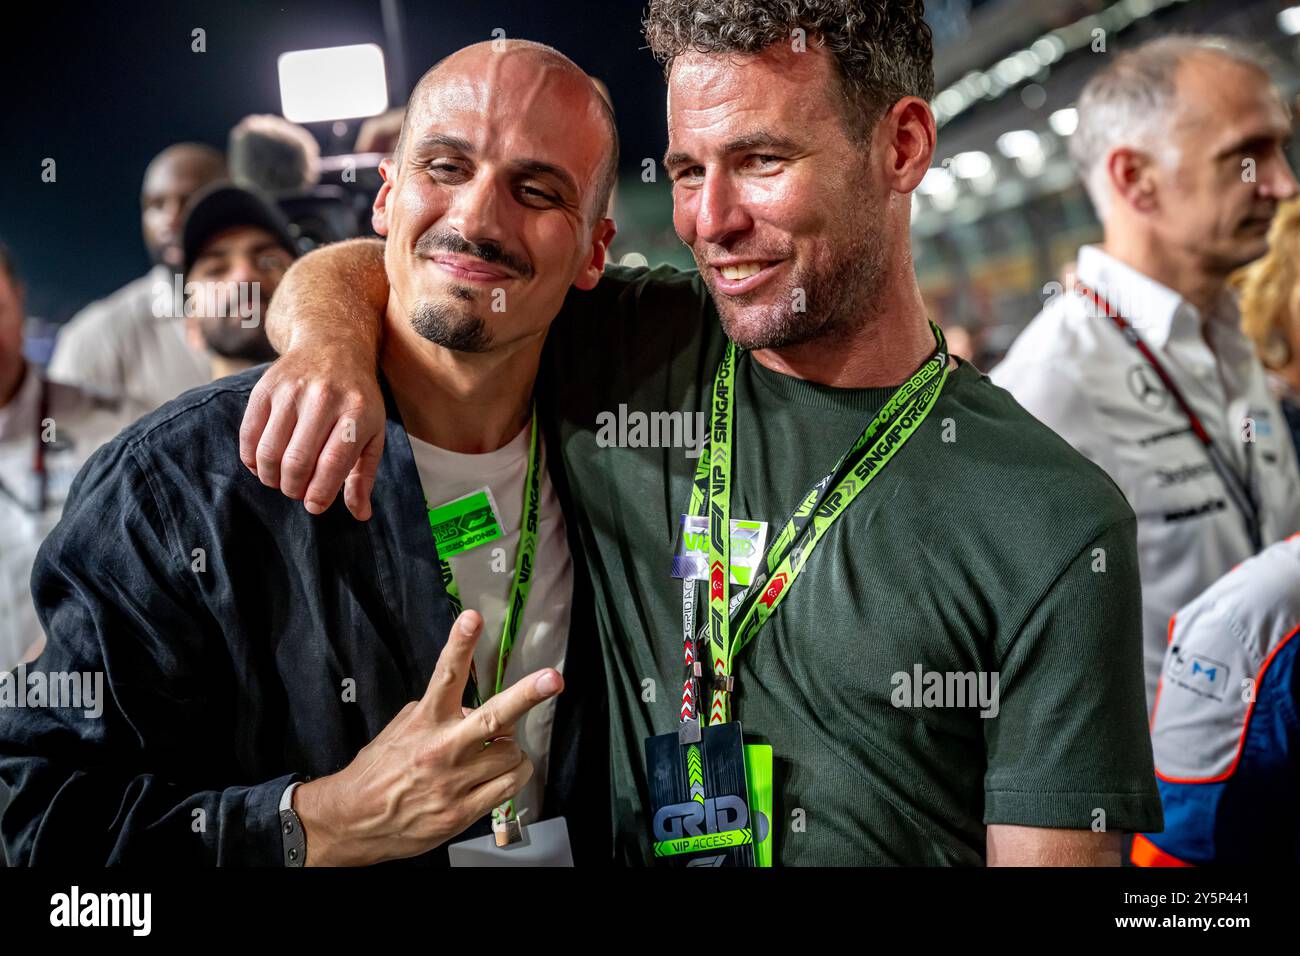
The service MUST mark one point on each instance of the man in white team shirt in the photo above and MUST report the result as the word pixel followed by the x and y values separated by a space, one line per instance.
pixel 119 345
pixel 1180 143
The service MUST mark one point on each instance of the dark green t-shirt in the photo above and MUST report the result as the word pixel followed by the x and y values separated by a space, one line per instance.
pixel 987 545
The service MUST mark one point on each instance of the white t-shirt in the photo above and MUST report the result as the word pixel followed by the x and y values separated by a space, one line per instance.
pixel 1075 372
pixel 117 346
pixel 544 632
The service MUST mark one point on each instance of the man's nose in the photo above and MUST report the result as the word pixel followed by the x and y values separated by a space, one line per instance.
pixel 1284 185
pixel 244 270
pixel 720 214
pixel 476 211
pixel 174 210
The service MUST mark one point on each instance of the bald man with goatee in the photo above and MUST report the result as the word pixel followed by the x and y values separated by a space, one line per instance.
pixel 311 684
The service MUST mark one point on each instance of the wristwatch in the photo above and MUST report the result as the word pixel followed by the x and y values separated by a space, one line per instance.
pixel 292 835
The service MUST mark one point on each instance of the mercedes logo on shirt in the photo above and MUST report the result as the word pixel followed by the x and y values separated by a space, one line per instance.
pixel 1147 388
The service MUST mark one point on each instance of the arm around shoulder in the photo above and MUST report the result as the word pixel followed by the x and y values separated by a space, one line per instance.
pixel 334 296
pixel 315 420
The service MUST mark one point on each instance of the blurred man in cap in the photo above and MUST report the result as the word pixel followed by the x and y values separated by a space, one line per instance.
pixel 118 346
pixel 237 247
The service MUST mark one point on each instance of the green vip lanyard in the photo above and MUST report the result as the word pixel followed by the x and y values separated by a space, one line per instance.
pixel 733 624
pixel 525 561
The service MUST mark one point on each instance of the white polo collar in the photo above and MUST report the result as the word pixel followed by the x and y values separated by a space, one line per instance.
pixel 1159 314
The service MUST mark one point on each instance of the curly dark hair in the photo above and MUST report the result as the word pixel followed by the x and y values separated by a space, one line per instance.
pixel 884 48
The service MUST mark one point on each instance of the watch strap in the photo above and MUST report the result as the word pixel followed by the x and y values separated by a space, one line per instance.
pixel 292 835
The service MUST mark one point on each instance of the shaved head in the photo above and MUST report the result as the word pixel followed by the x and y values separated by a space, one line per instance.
pixel 170 179
pixel 493 56
pixel 494 205
pixel 199 159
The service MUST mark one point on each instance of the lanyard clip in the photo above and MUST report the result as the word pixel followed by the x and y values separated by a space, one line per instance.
pixel 506 832
pixel 688 731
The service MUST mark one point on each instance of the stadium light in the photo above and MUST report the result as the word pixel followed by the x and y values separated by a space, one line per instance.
pixel 332 83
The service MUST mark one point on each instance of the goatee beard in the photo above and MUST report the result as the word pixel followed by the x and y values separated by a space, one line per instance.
pixel 449 327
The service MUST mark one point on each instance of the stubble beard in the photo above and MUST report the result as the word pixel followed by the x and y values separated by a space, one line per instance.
pixel 835 300
pixel 239 344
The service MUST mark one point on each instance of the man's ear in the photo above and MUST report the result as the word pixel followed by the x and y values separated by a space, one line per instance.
pixel 1132 177
pixel 909 134
pixel 379 209
pixel 602 234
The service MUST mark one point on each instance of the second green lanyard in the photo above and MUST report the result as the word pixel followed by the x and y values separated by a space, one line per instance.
pixel 731 628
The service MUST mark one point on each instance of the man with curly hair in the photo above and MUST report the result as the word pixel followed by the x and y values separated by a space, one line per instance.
pixel 940 537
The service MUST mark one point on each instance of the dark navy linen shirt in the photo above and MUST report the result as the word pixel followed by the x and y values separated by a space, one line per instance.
pixel 244 644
